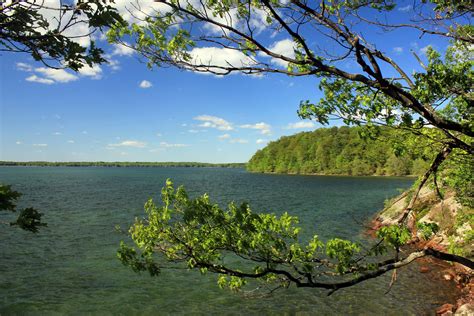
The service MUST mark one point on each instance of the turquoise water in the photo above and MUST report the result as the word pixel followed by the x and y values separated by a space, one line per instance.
pixel 71 265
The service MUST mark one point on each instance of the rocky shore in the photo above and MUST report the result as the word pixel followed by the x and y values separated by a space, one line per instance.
pixel 454 236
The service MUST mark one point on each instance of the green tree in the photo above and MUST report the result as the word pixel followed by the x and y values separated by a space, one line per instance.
pixel 378 92
pixel 197 234
pixel 50 33
pixel 28 219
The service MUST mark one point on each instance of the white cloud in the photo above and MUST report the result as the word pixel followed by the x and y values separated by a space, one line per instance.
pixel 94 72
pixel 261 141
pixel 159 134
pixel 239 141
pixel 57 133
pixel 71 141
pixel 84 132
pixel 18 142
pixel 405 8
pixel 58 75
pixel 284 47
pixel 168 145
pixel 122 50
pixel 35 78
pixel 113 63
pixel 129 143
pixel 40 145
pixel 145 84
pixel 212 58
pixel 300 125
pixel 193 131
pixel 214 122
pixel 137 11
pixel 50 76
pixel 224 136
pixel 264 128
pixel 24 67
pixel 77 32
pixel 398 50
pixel 257 20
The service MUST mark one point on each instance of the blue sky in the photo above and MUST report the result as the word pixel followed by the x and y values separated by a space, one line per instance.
pixel 127 112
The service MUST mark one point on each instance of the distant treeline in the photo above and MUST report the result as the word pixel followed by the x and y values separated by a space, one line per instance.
pixel 343 151
pixel 120 164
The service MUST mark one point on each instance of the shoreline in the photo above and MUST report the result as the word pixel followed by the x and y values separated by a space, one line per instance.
pixel 336 175
pixel 121 164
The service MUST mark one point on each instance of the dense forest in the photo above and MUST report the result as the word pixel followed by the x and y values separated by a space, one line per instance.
pixel 119 164
pixel 343 151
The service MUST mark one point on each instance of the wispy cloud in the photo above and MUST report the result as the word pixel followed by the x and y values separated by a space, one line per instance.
pixel 35 78
pixel 261 141
pixel 70 141
pixel 214 122
pixel 300 125
pixel 19 142
pixel 24 67
pixel 168 145
pixel 51 76
pixel 238 141
pixel 111 62
pixel 40 145
pixel 264 128
pixel 129 143
pixel 224 136
pixel 145 84
pixel 94 72
pixel 406 8
pixel 122 50
pixel 45 75
pixel 155 150
pixel 398 50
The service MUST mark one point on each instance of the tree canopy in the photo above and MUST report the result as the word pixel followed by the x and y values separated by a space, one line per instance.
pixel 345 151
pixel 29 218
pixel 55 33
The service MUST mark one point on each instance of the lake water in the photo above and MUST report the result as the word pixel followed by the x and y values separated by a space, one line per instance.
pixel 71 265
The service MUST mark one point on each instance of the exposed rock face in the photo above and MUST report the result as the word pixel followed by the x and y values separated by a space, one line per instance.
pixel 465 310
pixel 446 309
pixel 432 209
pixel 455 235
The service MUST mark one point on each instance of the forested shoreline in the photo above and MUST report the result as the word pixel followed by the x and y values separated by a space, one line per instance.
pixel 344 151
pixel 120 164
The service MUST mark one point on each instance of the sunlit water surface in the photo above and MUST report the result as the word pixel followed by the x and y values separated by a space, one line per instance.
pixel 71 265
